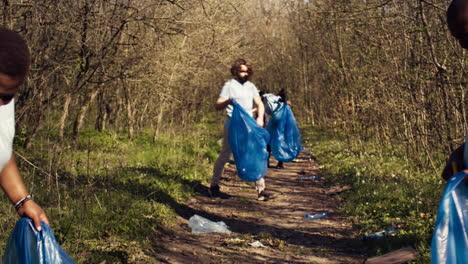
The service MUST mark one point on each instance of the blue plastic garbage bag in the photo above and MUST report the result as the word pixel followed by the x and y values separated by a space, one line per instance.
pixel 248 143
pixel 285 138
pixel 28 246
pixel 450 238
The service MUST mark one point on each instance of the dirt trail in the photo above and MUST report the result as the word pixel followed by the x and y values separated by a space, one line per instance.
pixel 278 223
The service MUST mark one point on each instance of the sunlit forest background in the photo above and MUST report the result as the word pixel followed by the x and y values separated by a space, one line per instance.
pixel 116 120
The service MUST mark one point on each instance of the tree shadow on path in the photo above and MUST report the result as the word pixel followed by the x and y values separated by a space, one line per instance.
pixel 245 216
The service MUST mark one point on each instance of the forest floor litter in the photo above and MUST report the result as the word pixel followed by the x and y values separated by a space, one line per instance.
pixel 274 231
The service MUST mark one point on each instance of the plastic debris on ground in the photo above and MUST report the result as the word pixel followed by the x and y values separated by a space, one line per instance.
pixel 316 216
pixel 380 234
pixel 248 143
pixel 257 244
pixel 201 225
pixel 26 245
pixel 450 237
pixel 285 138
pixel 311 178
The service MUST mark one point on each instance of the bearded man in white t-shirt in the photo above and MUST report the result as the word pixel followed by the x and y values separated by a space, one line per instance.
pixel 14 66
pixel 246 94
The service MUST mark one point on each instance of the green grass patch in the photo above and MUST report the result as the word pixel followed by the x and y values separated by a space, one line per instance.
pixel 108 197
pixel 388 190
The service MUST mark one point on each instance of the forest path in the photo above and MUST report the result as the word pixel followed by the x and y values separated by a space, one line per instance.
pixel 278 224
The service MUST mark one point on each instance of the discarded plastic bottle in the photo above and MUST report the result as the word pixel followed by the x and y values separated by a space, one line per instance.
pixel 375 235
pixel 313 177
pixel 380 234
pixel 391 230
pixel 316 216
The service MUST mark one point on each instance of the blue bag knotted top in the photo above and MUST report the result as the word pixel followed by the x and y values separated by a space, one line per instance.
pixel 26 245
pixel 248 143
pixel 285 139
pixel 450 238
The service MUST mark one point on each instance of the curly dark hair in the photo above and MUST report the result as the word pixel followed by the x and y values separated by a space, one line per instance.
pixel 14 54
pixel 235 68
pixel 283 94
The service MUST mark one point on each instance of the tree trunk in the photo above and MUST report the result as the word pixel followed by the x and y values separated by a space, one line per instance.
pixel 128 108
pixel 82 113
pixel 63 118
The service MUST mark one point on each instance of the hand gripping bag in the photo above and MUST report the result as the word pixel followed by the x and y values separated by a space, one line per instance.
pixel 248 143
pixel 450 238
pixel 285 138
pixel 28 246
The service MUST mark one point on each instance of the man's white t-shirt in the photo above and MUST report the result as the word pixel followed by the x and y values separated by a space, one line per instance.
pixel 244 95
pixel 7 132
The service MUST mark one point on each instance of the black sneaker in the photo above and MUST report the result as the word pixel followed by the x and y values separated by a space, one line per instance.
pixel 265 196
pixel 213 191
pixel 280 165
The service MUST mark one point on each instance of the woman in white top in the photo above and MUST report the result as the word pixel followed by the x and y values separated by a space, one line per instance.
pixel 14 66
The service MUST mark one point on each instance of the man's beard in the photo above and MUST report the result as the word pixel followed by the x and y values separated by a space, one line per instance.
pixel 242 80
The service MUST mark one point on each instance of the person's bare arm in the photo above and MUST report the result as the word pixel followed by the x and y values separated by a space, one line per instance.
pixel 13 186
pixel 261 110
pixel 222 103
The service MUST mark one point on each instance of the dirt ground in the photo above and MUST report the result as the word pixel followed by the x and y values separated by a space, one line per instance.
pixel 278 224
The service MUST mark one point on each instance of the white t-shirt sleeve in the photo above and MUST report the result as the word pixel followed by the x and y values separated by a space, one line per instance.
pixel 7 132
pixel 255 91
pixel 225 92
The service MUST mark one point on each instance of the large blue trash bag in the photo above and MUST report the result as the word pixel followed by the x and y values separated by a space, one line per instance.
pixel 248 143
pixel 450 238
pixel 285 138
pixel 28 246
